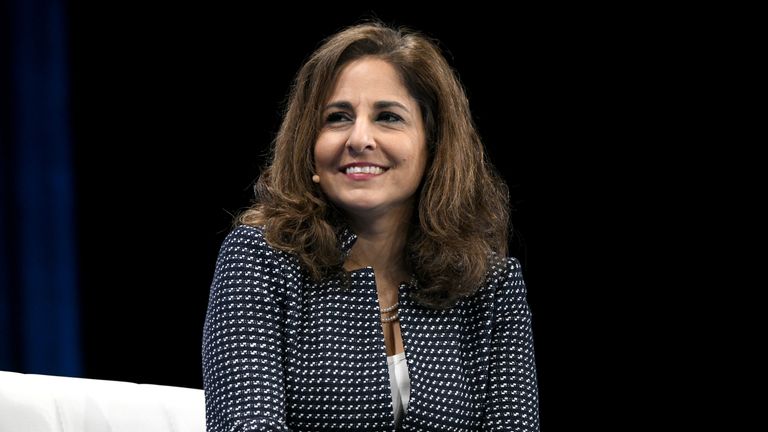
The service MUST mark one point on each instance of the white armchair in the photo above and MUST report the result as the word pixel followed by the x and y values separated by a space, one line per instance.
pixel 46 403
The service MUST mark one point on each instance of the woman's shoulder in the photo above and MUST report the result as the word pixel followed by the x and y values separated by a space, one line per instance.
pixel 247 234
pixel 502 269
pixel 249 240
pixel 504 274
pixel 247 265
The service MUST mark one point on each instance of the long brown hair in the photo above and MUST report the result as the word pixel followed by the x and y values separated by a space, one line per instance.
pixel 461 221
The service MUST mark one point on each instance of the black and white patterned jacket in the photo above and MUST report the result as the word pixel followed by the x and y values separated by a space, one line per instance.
pixel 281 353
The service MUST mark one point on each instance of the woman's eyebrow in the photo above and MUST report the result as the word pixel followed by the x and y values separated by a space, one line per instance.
pixel 389 104
pixel 340 104
pixel 378 105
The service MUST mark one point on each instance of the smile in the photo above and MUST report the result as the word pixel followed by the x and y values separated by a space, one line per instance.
pixel 368 169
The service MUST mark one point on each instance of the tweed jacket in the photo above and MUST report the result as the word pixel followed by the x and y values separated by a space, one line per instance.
pixel 282 353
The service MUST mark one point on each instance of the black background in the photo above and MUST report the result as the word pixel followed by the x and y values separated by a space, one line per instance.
pixel 174 107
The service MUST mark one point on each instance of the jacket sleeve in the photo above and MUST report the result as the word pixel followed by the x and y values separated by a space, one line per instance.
pixel 512 399
pixel 243 337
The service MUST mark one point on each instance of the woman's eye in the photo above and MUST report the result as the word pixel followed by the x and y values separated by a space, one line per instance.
pixel 389 117
pixel 336 117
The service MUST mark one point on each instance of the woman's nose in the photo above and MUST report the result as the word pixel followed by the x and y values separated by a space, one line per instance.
pixel 361 137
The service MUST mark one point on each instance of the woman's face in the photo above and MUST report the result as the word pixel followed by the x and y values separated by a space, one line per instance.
pixel 371 152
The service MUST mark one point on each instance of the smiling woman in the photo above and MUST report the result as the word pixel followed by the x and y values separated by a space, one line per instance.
pixel 368 287
pixel 371 151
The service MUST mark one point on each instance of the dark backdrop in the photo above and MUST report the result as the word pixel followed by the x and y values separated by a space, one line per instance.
pixel 173 108
pixel 130 133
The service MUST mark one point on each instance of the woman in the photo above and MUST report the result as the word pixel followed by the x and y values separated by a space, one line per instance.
pixel 368 287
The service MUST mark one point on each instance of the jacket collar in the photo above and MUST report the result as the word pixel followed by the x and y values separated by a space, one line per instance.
pixel 347 239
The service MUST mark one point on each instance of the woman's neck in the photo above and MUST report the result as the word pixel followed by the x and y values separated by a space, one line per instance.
pixel 381 246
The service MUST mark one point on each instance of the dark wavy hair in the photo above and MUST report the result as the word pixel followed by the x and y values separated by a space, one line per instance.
pixel 461 214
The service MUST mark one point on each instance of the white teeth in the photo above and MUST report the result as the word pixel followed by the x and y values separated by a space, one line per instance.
pixel 368 169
